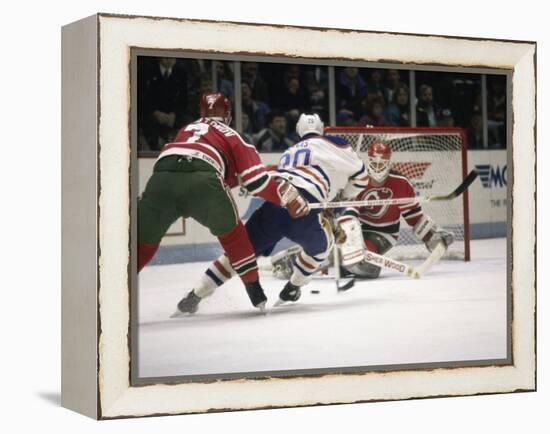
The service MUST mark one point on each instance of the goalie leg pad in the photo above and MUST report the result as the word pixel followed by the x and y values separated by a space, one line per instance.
pixel 374 242
pixel 282 262
pixel 364 270
pixel 424 228
pixel 352 249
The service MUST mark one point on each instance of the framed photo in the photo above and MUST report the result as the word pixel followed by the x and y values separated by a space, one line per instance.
pixel 260 216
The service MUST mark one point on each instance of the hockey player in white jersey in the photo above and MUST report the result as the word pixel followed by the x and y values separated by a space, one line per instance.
pixel 320 167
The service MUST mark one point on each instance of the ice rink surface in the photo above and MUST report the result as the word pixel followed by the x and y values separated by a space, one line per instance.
pixel 456 312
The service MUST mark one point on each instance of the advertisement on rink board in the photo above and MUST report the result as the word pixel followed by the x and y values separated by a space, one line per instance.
pixel 488 195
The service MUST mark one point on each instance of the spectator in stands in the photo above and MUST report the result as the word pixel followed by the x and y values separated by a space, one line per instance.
pixel 345 119
pixel 292 71
pixel 196 68
pixel 294 101
pixel 163 100
pixel 446 120
pixel 496 111
pixel 474 132
pixel 256 110
pixel 274 137
pixel 427 112
pixel 393 82
pixel 375 112
pixel 351 91
pixel 204 85
pixel 246 131
pixel 316 84
pixel 224 78
pixel 375 87
pixel 257 84
pixel 397 113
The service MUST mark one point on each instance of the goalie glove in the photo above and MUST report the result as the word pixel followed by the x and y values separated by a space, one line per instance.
pixel 291 199
pixel 431 234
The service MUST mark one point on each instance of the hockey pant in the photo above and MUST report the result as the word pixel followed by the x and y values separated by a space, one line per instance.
pixel 182 187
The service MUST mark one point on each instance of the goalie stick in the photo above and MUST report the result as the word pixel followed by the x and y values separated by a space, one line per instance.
pixel 435 256
pixel 391 264
pixel 403 200
pixel 405 269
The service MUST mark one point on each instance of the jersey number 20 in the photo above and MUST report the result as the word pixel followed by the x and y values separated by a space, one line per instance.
pixel 301 157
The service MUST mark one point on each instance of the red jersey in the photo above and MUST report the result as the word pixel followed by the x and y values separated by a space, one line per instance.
pixel 386 218
pixel 223 148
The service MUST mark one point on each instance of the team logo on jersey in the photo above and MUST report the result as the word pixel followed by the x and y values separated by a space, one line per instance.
pixel 411 169
pixel 377 211
pixel 492 176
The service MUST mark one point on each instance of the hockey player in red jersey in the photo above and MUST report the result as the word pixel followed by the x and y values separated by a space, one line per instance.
pixel 193 177
pixel 380 224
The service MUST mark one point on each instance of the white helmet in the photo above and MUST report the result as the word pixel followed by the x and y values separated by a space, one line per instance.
pixel 309 124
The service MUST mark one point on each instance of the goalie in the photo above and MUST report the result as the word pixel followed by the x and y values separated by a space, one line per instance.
pixel 379 224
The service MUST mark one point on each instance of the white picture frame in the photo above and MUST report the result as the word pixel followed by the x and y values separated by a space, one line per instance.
pixel 96 247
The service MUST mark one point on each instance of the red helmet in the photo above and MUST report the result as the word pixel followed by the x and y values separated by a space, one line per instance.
pixel 216 105
pixel 379 156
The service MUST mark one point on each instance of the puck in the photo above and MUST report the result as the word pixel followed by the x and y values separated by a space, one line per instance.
pixel 315 291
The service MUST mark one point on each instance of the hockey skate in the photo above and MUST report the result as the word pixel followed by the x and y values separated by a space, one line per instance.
pixel 188 304
pixel 289 293
pixel 256 294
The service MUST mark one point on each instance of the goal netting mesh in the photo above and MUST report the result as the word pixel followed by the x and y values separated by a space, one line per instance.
pixel 434 160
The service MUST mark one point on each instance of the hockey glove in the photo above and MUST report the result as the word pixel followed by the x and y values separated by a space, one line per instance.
pixel 291 199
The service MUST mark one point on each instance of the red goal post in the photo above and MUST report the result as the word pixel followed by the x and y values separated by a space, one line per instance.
pixel 435 161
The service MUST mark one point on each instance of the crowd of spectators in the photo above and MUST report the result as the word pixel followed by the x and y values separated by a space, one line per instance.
pixel 372 97
pixel 273 96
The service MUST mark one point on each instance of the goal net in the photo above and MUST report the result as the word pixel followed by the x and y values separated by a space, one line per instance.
pixel 434 160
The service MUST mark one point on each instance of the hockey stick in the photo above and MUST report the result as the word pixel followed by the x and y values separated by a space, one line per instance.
pixel 400 201
pixel 391 264
pixel 337 272
pixel 434 257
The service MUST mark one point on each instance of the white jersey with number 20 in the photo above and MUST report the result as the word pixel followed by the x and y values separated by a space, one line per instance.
pixel 324 165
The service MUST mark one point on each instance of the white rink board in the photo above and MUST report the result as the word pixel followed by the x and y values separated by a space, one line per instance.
pixel 392 320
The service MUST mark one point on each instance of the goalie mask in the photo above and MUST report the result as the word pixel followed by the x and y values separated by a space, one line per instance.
pixel 216 106
pixel 379 161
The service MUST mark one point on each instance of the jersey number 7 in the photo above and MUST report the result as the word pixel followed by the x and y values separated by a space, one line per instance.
pixel 199 130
